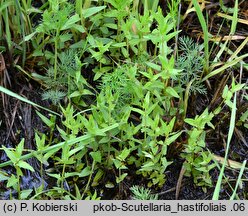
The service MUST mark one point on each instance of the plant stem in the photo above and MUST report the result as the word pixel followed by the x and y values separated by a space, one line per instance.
pixel 56 55
pixel 63 175
pixel 18 186
pixel 88 183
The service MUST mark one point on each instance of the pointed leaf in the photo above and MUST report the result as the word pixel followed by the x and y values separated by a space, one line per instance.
pixel 96 156
pixel 79 28
pixel 10 154
pixel 25 165
pixel 3 177
pixel 47 121
pixel 25 193
pixel 171 91
pixel 85 172
pixel 91 11
pixel 172 138
pixel 75 18
pixel 19 149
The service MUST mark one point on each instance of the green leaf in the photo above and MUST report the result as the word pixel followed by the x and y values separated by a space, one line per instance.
pixel 85 172
pixel 79 28
pixel 225 91
pixel 69 23
pixel 47 121
pixel 28 37
pixel 3 177
pixel 147 165
pixel 97 177
pixel 26 193
pixel 19 149
pixel 121 178
pixel 125 152
pixel 122 44
pixel 87 92
pixel 148 155
pixel 41 158
pixel 169 128
pixel 40 142
pixel 97 156
pixel 191 122
pixel 71 174
pixel 237 87
pixel 11 155
pixel 12 181
pixel 124 52
pixel 111 26
pixel 171 91
pixel 172 138
pixel 25 165
pixel 57 176
pixel 225 66
pixel 75 150
pixel 78 194
pixel 57 146
pixel 109 185
pixel 141 112
pixel 91 11
pixel 165 162
pixel 65 37
pixel 5 5
pixel 117 163
pixel 151 108
pixel 154 66
pixel 49 153
pixel 146 103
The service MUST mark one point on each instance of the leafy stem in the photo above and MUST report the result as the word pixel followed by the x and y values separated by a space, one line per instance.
pixel 56 54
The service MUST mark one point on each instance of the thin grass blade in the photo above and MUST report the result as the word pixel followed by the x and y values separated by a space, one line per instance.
pixel 230 133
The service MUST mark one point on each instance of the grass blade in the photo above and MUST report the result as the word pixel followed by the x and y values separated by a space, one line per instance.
pixel 234 18
pixel 239 179
pixel 205 33
pixel 230 133
pixel 225 66
pixel 12 94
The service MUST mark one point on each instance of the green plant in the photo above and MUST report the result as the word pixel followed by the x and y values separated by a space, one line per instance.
pixel 67 155
pixel 56 19
pixel 243 120
pixel 54 95
pixel 15 23
pixel 227 96
pixel 69 81
pixel 120 93
pixel 141 193
pixel 118 84
pixel 197 159
pixel 205 34
pixel 14 181
pixel 191 61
